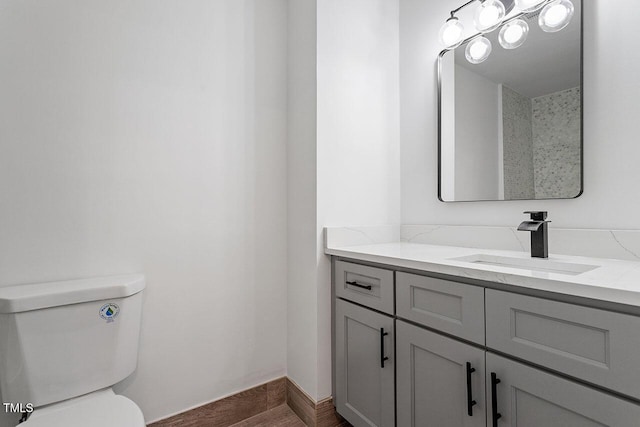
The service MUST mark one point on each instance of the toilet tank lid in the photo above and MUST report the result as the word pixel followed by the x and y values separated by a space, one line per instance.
pixel 18 298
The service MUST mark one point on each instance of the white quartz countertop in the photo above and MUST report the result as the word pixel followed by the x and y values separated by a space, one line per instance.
pixel 613 280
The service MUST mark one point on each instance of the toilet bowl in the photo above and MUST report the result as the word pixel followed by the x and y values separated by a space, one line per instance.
pixel 98 409
pixel 63 345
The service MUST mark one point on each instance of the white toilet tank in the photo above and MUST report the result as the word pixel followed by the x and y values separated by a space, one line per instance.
pixel 64 339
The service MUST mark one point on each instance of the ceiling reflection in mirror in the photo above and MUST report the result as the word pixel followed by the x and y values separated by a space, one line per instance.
pixel 510 127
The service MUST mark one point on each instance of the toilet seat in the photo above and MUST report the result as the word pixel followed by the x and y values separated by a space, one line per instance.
pixel 103 408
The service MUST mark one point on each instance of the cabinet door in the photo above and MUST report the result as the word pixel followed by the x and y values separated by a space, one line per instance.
pixel 436 387
pixel 528 397
pixel 364 366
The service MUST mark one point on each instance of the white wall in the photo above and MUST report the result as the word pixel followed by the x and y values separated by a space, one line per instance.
pixel 150 136
pixel 476 136
pixel 610 135
pixel 447 66
pixel 358 112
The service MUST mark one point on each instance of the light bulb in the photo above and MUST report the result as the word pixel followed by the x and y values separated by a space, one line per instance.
pixel 555 16
pixel 451 33
pixel 478 50
pixel 513 34
pixel 489 15
pixel 529 5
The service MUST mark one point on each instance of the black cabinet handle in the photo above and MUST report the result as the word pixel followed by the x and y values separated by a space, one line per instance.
pixel 495 415
pixel 382 356
pixel 358 285
pixel 470 401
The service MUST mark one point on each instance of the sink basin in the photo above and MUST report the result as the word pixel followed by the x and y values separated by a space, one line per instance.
pixel 531 264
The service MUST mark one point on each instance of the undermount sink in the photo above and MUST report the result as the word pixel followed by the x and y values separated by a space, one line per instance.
pixel 531 264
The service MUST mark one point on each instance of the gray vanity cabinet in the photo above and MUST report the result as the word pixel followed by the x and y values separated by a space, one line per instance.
pixel 529 397
pixel 560 364
pixel 440 381
pixel 365 391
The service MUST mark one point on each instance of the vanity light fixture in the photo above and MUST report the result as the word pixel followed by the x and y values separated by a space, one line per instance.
pixel 490 14
pixel 555 15
pixel 513 33
pixel 451 33
pixel 478 50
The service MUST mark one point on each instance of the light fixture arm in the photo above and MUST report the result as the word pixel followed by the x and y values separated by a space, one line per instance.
pixel 454 11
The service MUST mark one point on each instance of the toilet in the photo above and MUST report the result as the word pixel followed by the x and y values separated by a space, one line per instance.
pixel 63 345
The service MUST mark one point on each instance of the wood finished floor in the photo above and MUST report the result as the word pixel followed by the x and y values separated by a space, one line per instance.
pixel 280 416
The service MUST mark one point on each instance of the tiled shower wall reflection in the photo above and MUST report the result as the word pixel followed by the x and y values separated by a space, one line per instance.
pixel 517 145
pixel 541 138
pixel 556 144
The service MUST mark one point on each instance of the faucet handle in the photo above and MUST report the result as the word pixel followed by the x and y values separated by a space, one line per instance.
pixel 537 215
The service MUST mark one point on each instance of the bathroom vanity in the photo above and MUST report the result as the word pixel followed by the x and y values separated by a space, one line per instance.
pixel 429 335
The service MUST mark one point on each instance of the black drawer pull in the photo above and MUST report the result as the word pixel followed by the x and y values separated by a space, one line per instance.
pixel 495 415
pixel 358 285
pixel 382 356
pixel 470 401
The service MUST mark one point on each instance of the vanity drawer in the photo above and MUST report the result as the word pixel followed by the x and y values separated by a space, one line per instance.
pixel 369 286
pixel 594 345
pixel 451 307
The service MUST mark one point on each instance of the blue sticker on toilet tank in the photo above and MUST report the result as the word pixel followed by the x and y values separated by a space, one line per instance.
pixel 109 312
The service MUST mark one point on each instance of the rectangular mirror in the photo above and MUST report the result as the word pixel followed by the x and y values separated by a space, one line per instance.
pixel 510 128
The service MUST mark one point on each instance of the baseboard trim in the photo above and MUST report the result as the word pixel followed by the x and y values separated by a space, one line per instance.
pixel 232 409
pixel 254 401
pixel 313 414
